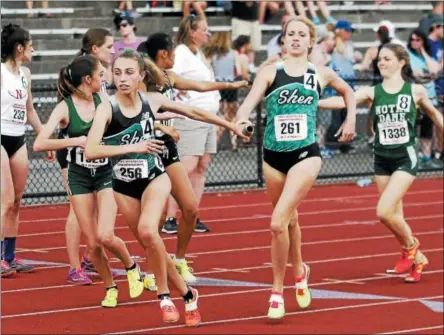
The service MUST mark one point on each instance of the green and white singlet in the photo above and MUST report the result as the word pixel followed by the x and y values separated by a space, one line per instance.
pixel 291 104
pixel 394 118
pixel 121 131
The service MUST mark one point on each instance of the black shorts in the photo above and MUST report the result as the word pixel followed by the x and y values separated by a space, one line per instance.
pixel 135 189
pixel 61 156
pixel 228 95
pixel 12 144
pixel 386 166
pixel 170 154
pixel 284 161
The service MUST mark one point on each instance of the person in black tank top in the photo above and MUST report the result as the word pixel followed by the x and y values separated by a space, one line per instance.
pixel 291 154
pixel 394 104
pixel 124 131
pixel 159 48
pixel 89 181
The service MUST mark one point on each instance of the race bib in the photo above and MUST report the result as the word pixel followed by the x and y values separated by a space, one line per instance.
pixel 393 133
pixel 89 163
pixel 19 115
pixel 291 127
pixel 131 169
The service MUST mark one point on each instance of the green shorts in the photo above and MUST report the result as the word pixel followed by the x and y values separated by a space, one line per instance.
pixel 82 180
pixel 386 166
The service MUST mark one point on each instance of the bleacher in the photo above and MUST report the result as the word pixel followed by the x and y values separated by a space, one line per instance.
pixel 58 38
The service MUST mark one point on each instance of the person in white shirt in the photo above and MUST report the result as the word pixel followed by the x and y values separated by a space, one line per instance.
pixel 198 140
pixel 17 110
pixel 273 46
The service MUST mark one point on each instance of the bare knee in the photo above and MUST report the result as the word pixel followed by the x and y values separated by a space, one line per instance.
pixel 94 245
pixel 105 238
pixel 7 205
pixel 190 212
pixel 147 235
pixel 384 213
pixel 277 225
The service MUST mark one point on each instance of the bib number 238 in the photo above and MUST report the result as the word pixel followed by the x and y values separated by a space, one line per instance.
pixel 291 127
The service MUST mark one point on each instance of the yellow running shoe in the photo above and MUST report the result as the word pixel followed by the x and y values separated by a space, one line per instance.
pixel 135 282
pixel 185 271
pixel 276 310
pixel 149 282
pixel 303 293
pixel 110 300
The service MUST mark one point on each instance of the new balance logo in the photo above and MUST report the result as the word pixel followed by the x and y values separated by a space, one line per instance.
pixel 303 155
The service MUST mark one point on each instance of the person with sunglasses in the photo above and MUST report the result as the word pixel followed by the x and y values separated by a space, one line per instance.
pixel 125 24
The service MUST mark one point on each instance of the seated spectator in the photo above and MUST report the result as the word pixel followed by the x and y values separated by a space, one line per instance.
pixel 436 15
pixel 274 46
pixel 279 56
pixel 425 69
pixel 29 5
pixel 321 52
pixel 343 45
pixel 242 48
pixel 125 24
pixel 322 5
pixel 198 6
pixel 267 9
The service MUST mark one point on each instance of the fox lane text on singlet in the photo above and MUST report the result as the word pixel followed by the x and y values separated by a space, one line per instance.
pixel 291 104
pixel 394 117
pixel 76 128
pixel 123 131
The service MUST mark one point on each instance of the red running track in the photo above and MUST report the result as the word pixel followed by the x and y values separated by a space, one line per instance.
pixel 347 249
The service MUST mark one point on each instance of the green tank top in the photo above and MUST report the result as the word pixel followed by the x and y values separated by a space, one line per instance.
pixel 77 127
pixel 394 118
pixel 122 131
pixel 291 104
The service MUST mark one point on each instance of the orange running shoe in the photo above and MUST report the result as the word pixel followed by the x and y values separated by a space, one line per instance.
pixel 415 274
pixel 192 314
pixel 170 313
pixel 407 259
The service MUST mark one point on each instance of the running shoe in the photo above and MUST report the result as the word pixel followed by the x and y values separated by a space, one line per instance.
pixel 78 277
pixel 200 227
pixel 192 314
pixel 170 226
pixel 110 300
pixel 185 271
pixel 303 293
pixel 415 274
pixel 135 282
pixel 5 270
pixel 149 282
pixel 408 256
pixel 276 310
pixel 20 266
pixel 88 266
pixel 170 313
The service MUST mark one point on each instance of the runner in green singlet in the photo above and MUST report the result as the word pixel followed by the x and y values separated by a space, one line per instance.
pixel 393 112
pixel 89 181
pixel 291 154
pixel 141 187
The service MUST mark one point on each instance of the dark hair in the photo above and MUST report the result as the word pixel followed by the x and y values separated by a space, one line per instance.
pixel 71 76
pixel 12 36
pixel 125 16
pixel 152 73
pixel 94 36
pixel 240 41
pixel 402 54
pixel 384 35
pixel 154 43
pixel 423 37
pixel 186 25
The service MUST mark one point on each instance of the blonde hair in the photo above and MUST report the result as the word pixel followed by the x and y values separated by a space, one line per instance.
pixel 188 24
pixel 308 23
pixel 219 44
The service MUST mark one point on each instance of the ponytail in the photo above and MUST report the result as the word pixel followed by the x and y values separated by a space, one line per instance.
pixel 153 75
pixel 65 88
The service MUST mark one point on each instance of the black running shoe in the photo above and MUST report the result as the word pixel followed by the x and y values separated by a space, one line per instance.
pixel 170 226
pixel 200 227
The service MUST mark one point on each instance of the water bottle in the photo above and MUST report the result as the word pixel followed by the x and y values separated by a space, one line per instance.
pixel 364 182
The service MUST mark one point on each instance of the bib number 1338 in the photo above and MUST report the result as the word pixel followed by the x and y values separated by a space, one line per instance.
pixel 291 127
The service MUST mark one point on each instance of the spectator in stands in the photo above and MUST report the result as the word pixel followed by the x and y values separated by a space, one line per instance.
pixel 386 34
pixel 312 10
pixel 267 9
pixel 125 24
pixel 278 57
pixel 436 15
pixel 322 50
pixel 29 5
pixel 435 41
pixel 343 45
pixel 197 140
pixel 126 6
pixel 274 45
pixel 424 69
pixel 245 21
pixel 226 64
pixel 198 6
pixel 242 48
